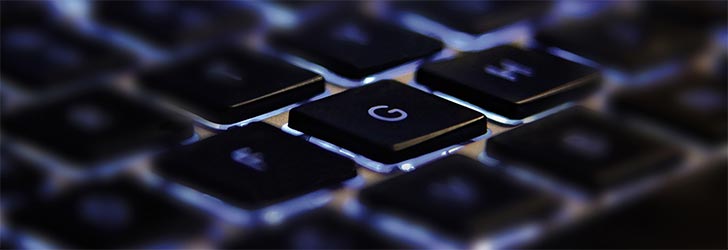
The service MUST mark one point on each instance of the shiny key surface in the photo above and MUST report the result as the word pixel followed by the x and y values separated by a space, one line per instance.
pixel 510 81
pixel 388 121
pixel 254 166
pixel 584 149
pixel 458 196
pixel 229 84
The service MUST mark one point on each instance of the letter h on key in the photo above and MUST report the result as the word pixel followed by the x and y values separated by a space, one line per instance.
pixel 509 70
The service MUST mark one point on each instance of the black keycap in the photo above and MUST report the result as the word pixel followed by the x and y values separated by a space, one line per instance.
pixel 254 166
pixel 696 105
pixel 229 85
pixel 458 196
pixel 476 17
pixel 583 149
pixel 38 58
pixel 176 24
pixel 20 181
pixel 687 214
pixel 323 229
pixel 510 81
pixel 94 127
pixel 630 43
pixel 699 14
pixel 109 214
pixel 356 48
pixel 27 12
pixel 388 121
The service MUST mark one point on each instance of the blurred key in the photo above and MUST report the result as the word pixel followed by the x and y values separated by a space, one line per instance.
pixel 630 43
pixel 229 85
pixel 584 150
pixel 510 81
pixel 254 166
pixel 323 229
pixel 94 127
pixel 20 181
pixel 687 214
pixel 109 214
pixel 696 105
pixel 476 17
pixel 458 196
pixel 27 12
pixel 698 13
pixel 39 58
pixel 388 121
pixel 174 24
pixel 356 48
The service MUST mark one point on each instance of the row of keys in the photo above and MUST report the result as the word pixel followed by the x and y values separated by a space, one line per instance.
pixel 454 196
pixel 387 121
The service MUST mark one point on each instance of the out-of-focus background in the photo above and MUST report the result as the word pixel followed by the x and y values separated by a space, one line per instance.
pixel 102 101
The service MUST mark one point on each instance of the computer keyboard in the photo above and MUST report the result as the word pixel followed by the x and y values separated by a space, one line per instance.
pixel 363 124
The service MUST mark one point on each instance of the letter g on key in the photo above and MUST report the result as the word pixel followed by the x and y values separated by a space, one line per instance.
pixel 401 115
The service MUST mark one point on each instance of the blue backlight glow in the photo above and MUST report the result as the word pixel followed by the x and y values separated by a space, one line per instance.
pixel 334 78
pixel 379 167
pixel 462 41
pixel 493 116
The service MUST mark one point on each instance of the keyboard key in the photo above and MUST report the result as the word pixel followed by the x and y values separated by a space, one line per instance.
pixel 39 58
pixel 697 13
pixel 94 127
pixel 174 24
pixel 356 48
pixel 109 214
pixel 635 43
pixel 20 181
pixel 696 105
pixel 458 196
pixel 229 85
pixel 388 121
pixel 476 17
pixel 254 166
pixel 687 214
pixel 26 12
pixel 510 81
pixel 323 229
pixel 583 149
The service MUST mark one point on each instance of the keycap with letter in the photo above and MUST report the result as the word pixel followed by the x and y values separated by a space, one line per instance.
pixel 388 121
pixel 254 166
pixel 510 81
pixel 230 85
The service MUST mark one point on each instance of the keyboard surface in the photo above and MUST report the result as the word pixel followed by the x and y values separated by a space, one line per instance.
pixel 363 125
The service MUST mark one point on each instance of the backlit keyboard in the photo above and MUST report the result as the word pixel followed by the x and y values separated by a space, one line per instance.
pixel 363 124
